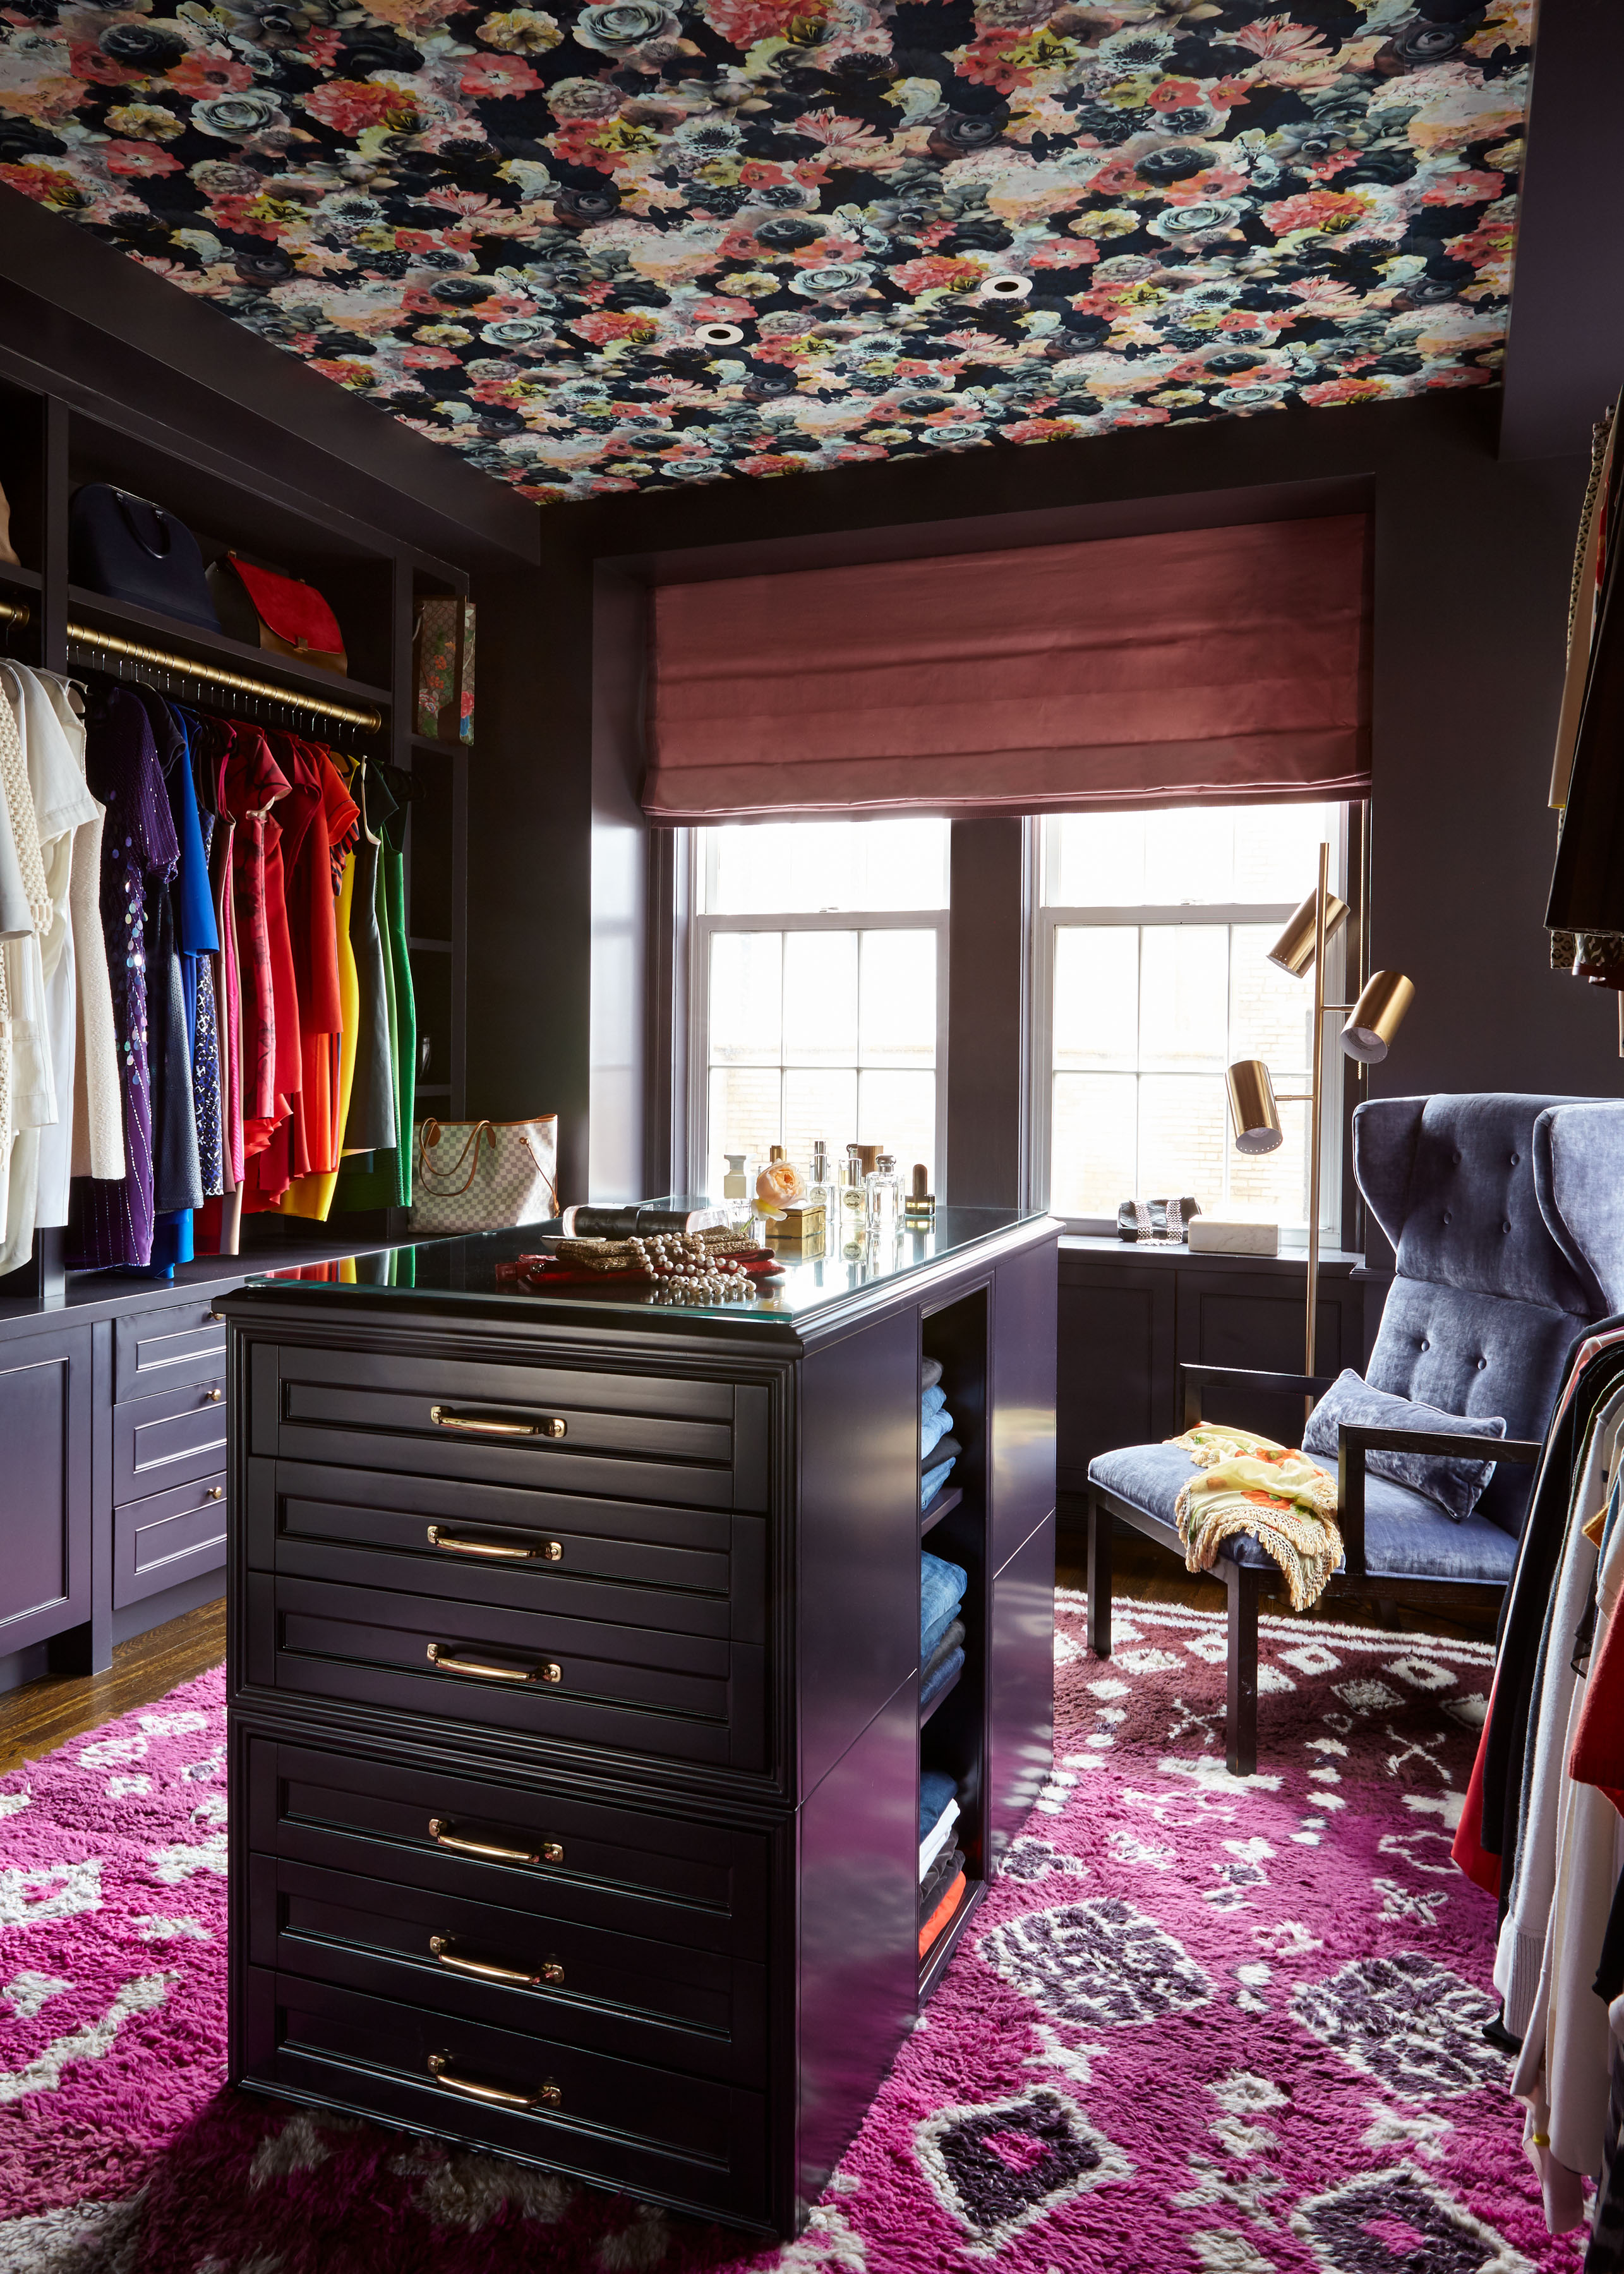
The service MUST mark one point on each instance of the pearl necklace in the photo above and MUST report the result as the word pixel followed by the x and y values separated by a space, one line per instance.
pixel 684 1269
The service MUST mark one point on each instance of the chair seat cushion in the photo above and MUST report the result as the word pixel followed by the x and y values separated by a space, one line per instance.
pixel 1406 1536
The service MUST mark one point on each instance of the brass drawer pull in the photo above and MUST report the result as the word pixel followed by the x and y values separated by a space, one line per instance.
pixel 481 1425
pixel 215 1396
pixel 548 2096
pixel 550 1550
pixel 442 1834
pixel 216 1318
pixel 549 1669
pixel 217 1492
pixel 551 1972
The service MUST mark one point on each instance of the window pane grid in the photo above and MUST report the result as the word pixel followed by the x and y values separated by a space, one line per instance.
pixel 1155 980
pixel 821 1030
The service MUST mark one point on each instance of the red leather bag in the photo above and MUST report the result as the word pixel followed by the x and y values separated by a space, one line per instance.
pixel 270 610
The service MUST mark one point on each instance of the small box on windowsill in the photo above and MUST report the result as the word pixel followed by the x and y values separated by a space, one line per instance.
pixel 801 1225
pixel 1216 1235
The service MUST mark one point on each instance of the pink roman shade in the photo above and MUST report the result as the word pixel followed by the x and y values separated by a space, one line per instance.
pixel 1207 664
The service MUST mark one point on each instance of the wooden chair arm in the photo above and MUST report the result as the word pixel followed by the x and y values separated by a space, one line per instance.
pixel 1354 1441
pixel 1303 1385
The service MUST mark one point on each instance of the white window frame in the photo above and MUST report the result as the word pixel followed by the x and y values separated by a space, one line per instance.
pixel 1045 921
pixel 703 927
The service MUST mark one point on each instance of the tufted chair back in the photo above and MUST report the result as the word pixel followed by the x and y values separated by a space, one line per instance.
pixel 1493 1280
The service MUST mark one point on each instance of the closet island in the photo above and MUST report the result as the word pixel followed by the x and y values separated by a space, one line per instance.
pixel 576 1742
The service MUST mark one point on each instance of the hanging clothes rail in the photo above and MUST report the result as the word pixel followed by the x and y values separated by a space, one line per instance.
pixel 17 612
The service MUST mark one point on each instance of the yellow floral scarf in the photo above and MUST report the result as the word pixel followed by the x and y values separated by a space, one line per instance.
pixel 1250 1484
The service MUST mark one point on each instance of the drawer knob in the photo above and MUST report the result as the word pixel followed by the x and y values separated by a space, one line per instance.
pixel 490 1424
pixel 215 1397
pixel 217 1492
pixel 444 1835
pixel 508 1551
pixel 216 1318
pixel 482 1670
pixel 486 1972
pixel 547 2095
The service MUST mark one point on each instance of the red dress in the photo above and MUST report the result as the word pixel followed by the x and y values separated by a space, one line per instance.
pixel 253 783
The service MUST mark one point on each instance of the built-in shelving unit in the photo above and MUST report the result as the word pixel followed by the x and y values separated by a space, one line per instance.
pixel 943 1504
pixel 954 1728
pixel 55 438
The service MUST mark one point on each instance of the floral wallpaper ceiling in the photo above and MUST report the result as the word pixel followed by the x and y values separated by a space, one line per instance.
pixel 622 243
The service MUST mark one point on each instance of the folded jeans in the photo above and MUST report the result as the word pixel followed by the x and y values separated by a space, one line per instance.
pixel 946 1674
pixel 941 1590
pixel 935 1789
pixel 931 1483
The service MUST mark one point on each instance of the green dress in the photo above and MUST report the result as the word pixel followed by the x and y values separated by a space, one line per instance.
pixel 383 1179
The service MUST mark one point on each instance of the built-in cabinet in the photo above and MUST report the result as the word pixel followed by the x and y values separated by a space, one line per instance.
pixel 1131 1315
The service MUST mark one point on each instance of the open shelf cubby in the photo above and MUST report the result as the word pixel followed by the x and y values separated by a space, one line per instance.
pixel 953 1727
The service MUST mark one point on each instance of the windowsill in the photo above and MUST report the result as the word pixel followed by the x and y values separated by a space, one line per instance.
pixel 1335 1262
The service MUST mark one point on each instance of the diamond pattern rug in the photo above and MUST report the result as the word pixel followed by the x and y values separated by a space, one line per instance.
pixel 1202 2024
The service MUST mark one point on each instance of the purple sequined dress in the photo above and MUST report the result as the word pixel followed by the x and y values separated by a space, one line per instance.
pixel 112 1222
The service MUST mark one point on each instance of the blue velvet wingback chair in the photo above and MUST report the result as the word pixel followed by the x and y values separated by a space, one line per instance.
pixel 1506 1217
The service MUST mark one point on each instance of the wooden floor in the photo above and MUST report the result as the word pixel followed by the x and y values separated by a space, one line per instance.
pixel 46 1713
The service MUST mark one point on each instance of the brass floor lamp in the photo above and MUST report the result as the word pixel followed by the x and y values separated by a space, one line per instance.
pixel 1372 1023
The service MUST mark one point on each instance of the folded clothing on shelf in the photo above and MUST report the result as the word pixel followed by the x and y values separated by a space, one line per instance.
pixel 952 1640
pixel 932 1429
pixel 930 1374
pixel 933 1399
pixel 941 1918
pixel 941 1876
pixel 944 1672
pixel 939 1812
pixel 931 1483
pixel 941 1590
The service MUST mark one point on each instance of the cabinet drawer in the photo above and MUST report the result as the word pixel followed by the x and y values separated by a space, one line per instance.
pixel 168 1439
pixel 161 1349
pixel 168 1537
pixel 549 1428
pixel 628 1563
pixel 663 2002
pixel 691 1697
pixel 551 1854
pixel 683 2137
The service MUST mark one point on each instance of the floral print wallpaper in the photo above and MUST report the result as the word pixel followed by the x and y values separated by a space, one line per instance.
pixel 612 244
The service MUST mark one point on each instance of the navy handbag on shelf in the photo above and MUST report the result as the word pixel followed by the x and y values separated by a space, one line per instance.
pixel 129 549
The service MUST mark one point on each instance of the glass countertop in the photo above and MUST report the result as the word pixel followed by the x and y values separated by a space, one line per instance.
pixel 470 1269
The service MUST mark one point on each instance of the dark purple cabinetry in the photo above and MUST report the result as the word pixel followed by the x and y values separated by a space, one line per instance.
pixel 575 1696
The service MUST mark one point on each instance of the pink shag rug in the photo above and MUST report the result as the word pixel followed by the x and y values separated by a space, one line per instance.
pixel 1202 2025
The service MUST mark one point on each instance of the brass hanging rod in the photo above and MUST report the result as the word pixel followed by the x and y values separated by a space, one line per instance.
pixel 18 611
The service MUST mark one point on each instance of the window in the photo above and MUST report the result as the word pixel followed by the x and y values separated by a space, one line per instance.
pixel 819 990
pixel 1149 978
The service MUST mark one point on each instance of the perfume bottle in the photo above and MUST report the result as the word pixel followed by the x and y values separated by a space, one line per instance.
pixel 919 1206
pixel 853 1205
pixel 824 1190
pixel 882 1197
pixel 736 1187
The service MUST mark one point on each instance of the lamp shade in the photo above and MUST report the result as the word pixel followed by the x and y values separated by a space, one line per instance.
pixel 1294 950
pixel 1377 1016
pixel 1252 1109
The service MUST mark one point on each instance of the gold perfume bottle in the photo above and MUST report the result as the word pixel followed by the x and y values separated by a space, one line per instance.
pixel 919 1207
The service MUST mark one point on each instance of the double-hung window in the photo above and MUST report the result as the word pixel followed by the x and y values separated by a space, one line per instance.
pixel 818 992
pixel 1149 977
